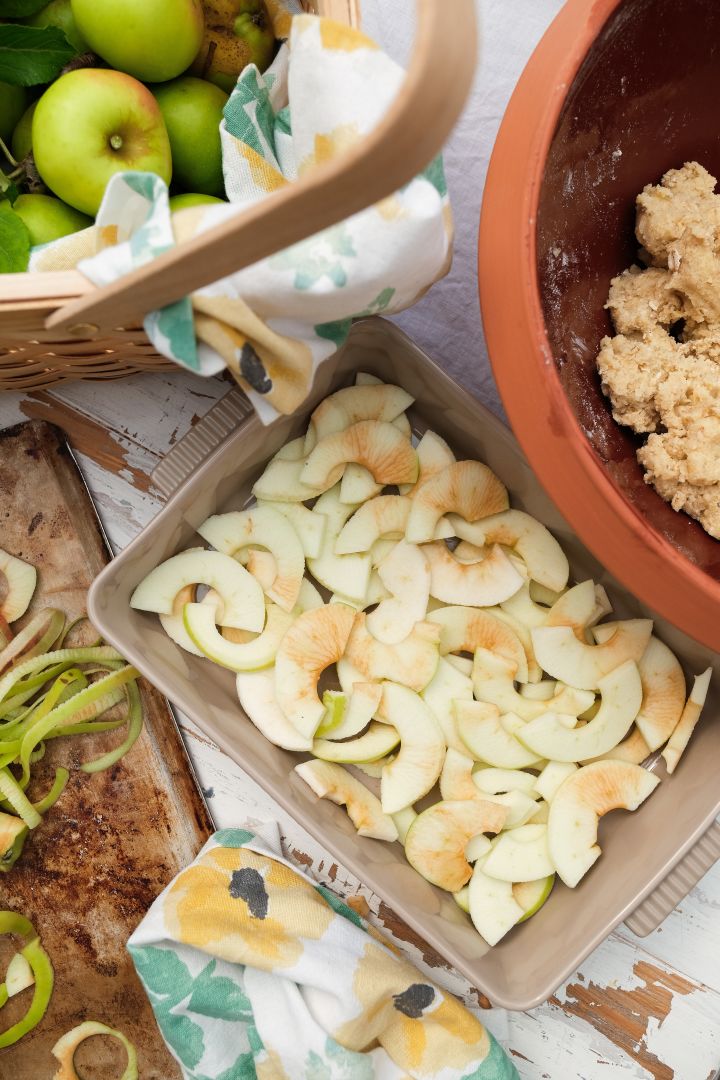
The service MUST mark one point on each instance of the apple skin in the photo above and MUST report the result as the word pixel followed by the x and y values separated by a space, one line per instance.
pixel 59 13
pixel 154 40
pixel 91 124
pixel 191 198
pixel 237 33
pixel 47 218
pixel 192 110
pixel 12 105
pixel 21 144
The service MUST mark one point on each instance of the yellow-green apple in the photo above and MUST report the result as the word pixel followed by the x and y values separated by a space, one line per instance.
pixel 154 40
pixel 191 198
pixel 91 124
pixel 59 13
pixel 21 144
pixel 237 33
pixel 192 110
pixel 12 104
pixel 47 218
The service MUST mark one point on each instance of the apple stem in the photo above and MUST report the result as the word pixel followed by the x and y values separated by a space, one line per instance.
pixel 8 155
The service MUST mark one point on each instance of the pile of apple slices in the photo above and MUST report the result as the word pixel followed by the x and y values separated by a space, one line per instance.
pixel 463 659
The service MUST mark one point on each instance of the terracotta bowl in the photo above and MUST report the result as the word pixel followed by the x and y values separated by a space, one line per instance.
pixel 617 92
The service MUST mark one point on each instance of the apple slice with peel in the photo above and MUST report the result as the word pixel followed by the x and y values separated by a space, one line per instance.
pixel 256 693
pixel 494 781
pixel 19 975
pixel 493 908
pixel 378 741
pixel 467 488
pixel 412 662
pixel 562 656
pixel 346 407
pixel 552 776
pixel 331 781
pixel 560 738
pixel 316 639
pixel 520 855
pixel 358 484
pixel 347 575
pixel 686 724
pixel 523 608
pixel 309 525
pixel 478 584
pixel 361 704
pixel 242 597
pixel 263 527
pixel 260 652
pixel 456 778
pixel 446 686
pixel 493 738
pixel 403 820
pixel 663 686
pixel 406 575
pixel 335 702
pixel 383 450
pixel 173 624
pixel 478 846
pixel 545 560
pixel 493 683
pixel 434 455
pixel 531 895
pixel 436 840
pixel 422 748
pixel 468 629
pixel 578 804
pixel 580 607
pixel 17 585
pixel 462 899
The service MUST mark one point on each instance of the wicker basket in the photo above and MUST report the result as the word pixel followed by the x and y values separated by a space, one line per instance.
pixel 58 326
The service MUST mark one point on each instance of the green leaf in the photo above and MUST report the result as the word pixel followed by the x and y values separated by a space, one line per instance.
pixel 164 973
pixel 14 242
pixel 30 55
pixel 20 9
pixel 219 997
pixel 183 1035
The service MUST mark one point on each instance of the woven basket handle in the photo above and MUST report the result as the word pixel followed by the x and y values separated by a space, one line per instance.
pixel 412 132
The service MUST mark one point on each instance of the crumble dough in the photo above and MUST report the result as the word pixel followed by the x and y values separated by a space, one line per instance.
pixel 663 384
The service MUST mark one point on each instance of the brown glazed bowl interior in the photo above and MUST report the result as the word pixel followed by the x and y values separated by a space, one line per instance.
pixel 617 92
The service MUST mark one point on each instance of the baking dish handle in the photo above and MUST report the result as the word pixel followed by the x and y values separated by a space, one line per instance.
pixel 656 907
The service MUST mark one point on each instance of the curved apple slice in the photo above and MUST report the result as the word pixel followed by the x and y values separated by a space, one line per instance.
pixel 376 592
pixel 261 564
pixel 478 846
pixel 434 455
pixel 564 657
pixel 520 855
pixel 383 516
pixel 422 748
pixel 521 631
pixel 446 686
pixel 378 741
pixel 436 840
pixel 294 450
pixel 519 807
pixel 403 820
pixel 579 607
pixel 469 629
pixel 491 737
pixel 523 608
pixel 309 525
pixel 242 597
pixel 494 781
pixel 282 480
pixel 531 895
pixel 540 817
pixel 493 682
pixel 256 693
pixel 540 691
pixel 358 485
pixel 346 407
pixel 558 737
pixel 663 685
pixel 383 450
pixel 456 778
pixel 260 652
pixel 686 724
pixel 412 662
pixel 545 559
pixel 480 584
pixel 552 776
pixel 20 580
pixel 173 624
pixel 347 575
pixel 331 781
pixel 633 749
pixel 406 575
pixel 362 702
pixel 580 801
pixel 467 488
pixel 493 908
pixel 316 639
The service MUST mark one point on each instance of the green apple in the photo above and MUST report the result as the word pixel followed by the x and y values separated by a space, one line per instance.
pixel 531 895
pixel 191 198
pixel 12 105
pixel 192 110
pixel 91 124
pixel 154 40
pixel 59 13
pixel 237 33
pixel 48 218
pixel 21 144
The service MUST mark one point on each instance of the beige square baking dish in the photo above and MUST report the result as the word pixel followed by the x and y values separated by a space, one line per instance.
pixel 638 879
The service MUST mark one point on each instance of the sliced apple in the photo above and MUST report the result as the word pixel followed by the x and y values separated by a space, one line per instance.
pixel 331 781
pixel 406 575
pixel 520 855
pixel 525 638
pixel 256 693
pixel 403 820
pixel 578 804
pixel 446 686
pixel 348 675
pixel 260 652
pixel 493 908
pixel 309 525
pixel 552 776
pixel 361 705
pixel 376 592
pixel 373 769
pixel 261 564
pixel 335 702
pixel 378 741
pixel 346 407
pixel 494 781
pixel 283 480
pixel 491 737
pixel 686 724
pixel 316 639
pixel 463 664
pixel 17 585
pixel 562 655
pixel 173 624
pixel 436 840
pixel 519 807
pixel 456 778
pixel 633 749
pixel 422 748
pixel 19 975
pixel 541 814
pixel 383 450
pixel 434 455
pixel 479 845
pixel 412 662
pixel 347 575
pixel 531 895
pixel 242 597
pixel 493 677
pixel 560 738
pixel 467 488
pixel 461 898
pixel 383 516
pixel 542 595
pixel 468 629
pixel 479 584
pixel 540 691
pixel 545 559
pixel 579 608
pixel 294 450
pixel 523 608
pixel 358 484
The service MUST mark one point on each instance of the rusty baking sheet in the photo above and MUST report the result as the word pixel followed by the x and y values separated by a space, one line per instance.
pixel 114 840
